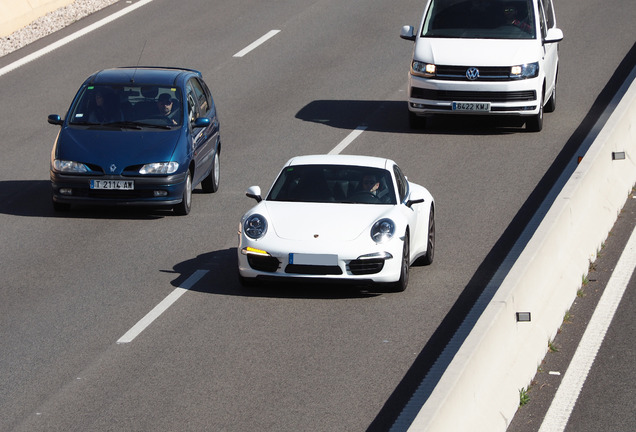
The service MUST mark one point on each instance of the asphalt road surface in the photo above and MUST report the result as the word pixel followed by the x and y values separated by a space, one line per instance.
pixel 282 358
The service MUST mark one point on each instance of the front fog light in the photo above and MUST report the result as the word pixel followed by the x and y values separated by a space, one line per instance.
pixel 66 191
pixel 160 193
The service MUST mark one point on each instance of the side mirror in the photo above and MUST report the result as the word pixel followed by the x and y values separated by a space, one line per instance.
pixel 201 122
pixel 254 192
pixel 554 35
pixel 409 203
pixel 408 33
pixel 55 119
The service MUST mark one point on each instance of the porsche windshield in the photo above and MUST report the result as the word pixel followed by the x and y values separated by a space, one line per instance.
pixel 480 19
pixel 334 184
pixel 127 105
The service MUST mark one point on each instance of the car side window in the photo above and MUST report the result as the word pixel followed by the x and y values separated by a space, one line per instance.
pixel 402 184
pixel 193 111
pixel 201 98
pixel 549 14
pixel 542 23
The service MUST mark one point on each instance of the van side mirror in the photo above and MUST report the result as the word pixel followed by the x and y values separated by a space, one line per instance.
pixel 408 33
pixel 554 35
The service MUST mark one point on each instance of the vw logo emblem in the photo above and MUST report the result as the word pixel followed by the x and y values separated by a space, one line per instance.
pixel 113 167
pixel 472 73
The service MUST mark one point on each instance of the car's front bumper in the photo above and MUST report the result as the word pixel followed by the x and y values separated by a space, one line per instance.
pixel 513 98
pixel 150 191
pixel 354 262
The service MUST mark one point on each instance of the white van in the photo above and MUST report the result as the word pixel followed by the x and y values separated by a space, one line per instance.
pixel 489 57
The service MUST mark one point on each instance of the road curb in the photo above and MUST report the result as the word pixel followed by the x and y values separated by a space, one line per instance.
pixel 17 14
pixel 498 356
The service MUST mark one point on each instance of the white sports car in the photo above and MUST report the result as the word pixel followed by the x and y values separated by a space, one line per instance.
pixel 340 218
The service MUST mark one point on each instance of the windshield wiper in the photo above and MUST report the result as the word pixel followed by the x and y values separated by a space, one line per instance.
pixel 136 125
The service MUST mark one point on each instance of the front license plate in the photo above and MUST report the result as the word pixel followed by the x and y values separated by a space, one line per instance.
pixel 113 184
pixel 471 106
pixel 313 259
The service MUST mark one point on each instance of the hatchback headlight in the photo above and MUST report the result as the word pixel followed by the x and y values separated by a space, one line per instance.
pixel 422 69
pixel 255 226
pixel 66 166
pixel 382 230
pixel 525 71
pixel 159 168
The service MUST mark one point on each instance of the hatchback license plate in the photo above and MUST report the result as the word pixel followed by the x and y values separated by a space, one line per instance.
pixel 471 106
pixel 313 259
pixel 113 184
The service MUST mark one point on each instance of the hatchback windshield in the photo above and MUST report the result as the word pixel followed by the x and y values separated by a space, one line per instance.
pixel 133 105
pixel 480 19
pixel 334 183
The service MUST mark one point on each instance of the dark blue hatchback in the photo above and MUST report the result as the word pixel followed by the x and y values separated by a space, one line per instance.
pixel 137 136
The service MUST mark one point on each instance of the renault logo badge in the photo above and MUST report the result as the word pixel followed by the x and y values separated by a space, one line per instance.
pixel 113 167
pixel 472 73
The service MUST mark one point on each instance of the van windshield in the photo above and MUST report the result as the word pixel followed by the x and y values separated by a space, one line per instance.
pixel 480 19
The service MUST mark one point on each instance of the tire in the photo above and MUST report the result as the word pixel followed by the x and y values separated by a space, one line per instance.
pixel 535 123
pixel 401 284
pixel 61 207
pixel 184 207
pixel 551 105
pixel 246 282
pixel 416 122
pixel 430 246
pixel 210 184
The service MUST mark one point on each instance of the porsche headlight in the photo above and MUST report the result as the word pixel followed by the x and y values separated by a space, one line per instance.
pixel 422 69
pixel 159 168
pixel 525 71
pixel 382 230
pixel 255 226
pixel 69 166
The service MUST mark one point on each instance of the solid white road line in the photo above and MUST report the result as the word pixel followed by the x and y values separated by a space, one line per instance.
pixel 16 64
pixel 256 43
pixel 348 140
pixel 558 414
pixel 161 307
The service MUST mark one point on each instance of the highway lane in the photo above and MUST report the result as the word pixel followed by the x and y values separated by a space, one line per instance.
pixel 280 358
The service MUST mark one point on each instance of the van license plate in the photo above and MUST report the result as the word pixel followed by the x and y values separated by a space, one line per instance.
pixel 471 106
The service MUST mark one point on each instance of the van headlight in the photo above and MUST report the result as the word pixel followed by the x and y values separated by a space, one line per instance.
pixel 423 69
pixel 525 71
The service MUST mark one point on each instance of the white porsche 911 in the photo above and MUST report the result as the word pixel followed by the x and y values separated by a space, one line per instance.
pixel 340 218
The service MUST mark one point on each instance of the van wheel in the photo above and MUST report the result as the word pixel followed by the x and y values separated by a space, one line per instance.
pixel 551 105
pixel 416 122
pixel 535 123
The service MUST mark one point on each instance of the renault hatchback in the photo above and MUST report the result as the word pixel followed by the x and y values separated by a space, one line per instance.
pixel 137 136
pixel 488 57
